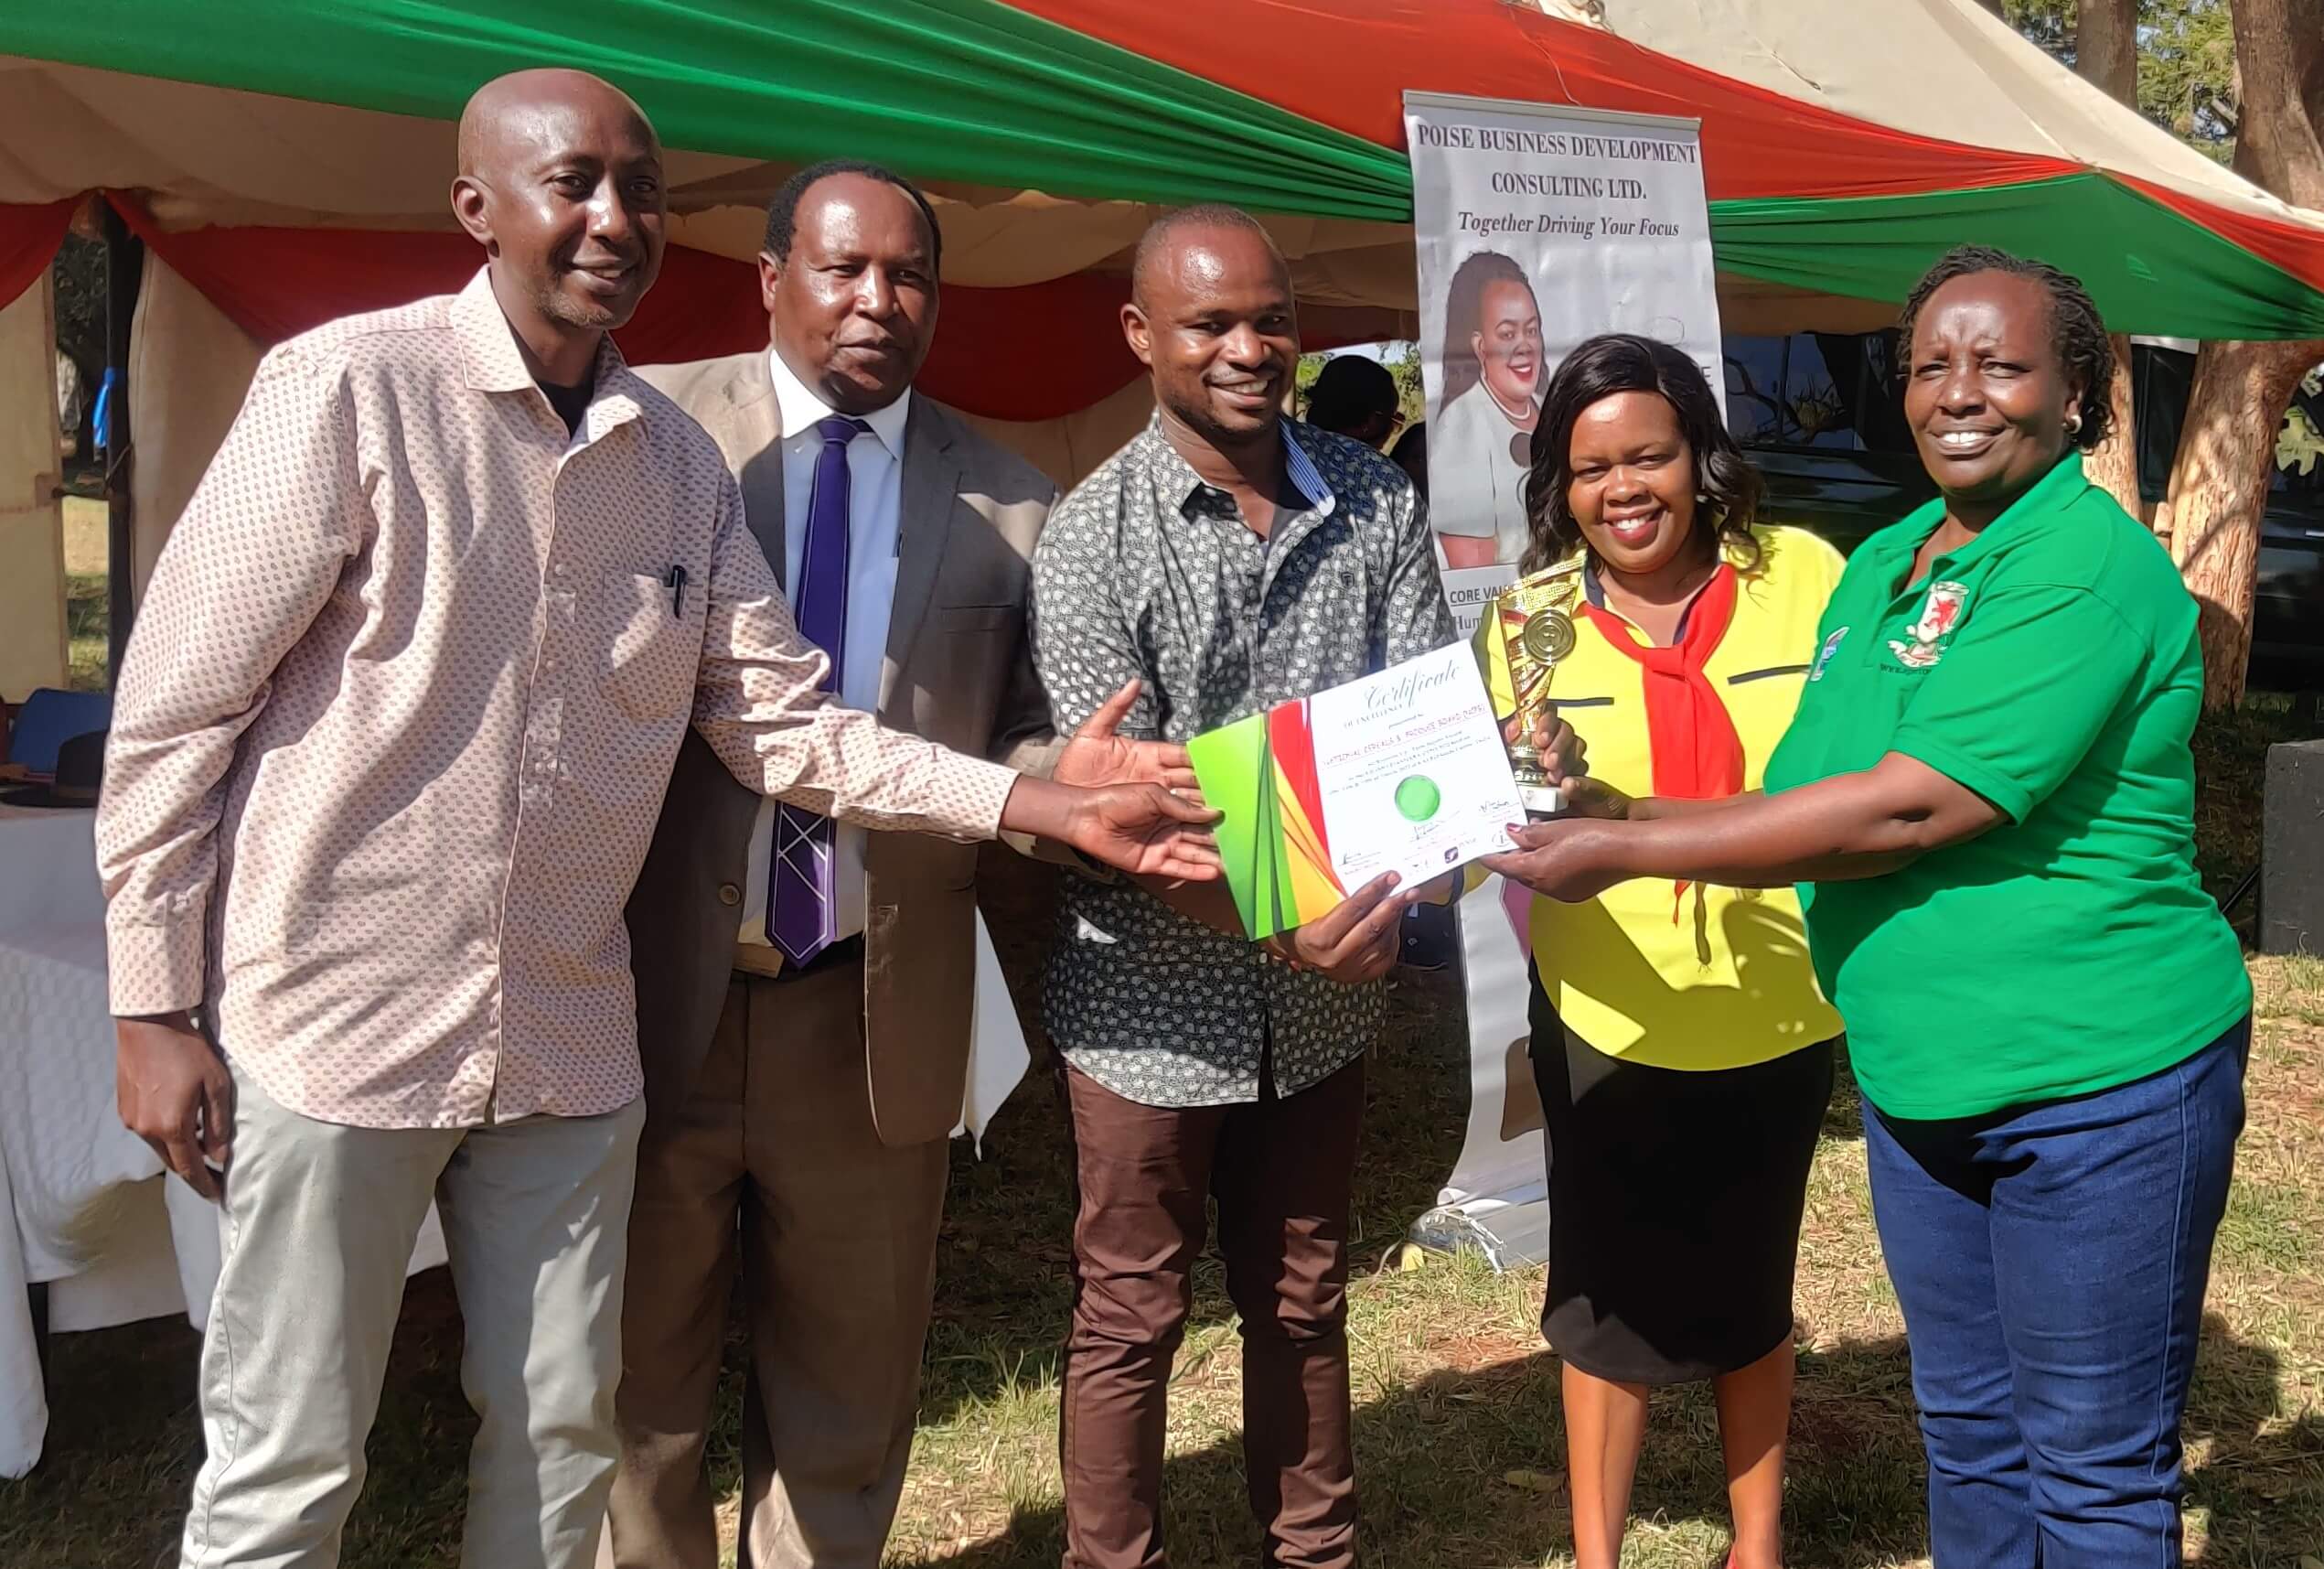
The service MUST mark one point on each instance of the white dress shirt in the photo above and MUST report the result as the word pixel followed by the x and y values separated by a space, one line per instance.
pixel 875 506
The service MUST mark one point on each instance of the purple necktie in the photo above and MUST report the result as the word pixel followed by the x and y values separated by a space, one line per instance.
pixel 800 917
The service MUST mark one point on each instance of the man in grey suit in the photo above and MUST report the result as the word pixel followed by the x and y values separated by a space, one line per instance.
pixel 804 995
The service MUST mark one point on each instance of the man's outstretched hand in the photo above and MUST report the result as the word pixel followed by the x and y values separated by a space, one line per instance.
pixel 176 1095
pixel 1145 830
pixel 1096 755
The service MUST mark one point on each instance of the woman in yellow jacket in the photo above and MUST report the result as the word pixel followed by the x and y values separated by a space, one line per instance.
pixel 1683 1051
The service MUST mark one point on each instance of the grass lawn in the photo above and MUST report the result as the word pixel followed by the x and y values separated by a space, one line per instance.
pixel 1458 1432
pixel 86 611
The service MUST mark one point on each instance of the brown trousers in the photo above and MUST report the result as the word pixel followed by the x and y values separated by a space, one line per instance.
pixel 774 1160
pixel 1281 1170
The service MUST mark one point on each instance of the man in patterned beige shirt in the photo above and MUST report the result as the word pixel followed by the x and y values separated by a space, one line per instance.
pixel 387 754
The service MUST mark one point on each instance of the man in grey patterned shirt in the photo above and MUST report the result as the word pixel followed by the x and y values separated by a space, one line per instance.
pixel 1230 559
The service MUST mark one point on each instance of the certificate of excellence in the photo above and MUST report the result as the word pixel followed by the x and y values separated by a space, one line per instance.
pixel 1403 772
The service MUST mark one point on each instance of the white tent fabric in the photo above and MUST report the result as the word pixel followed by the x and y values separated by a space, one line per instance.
pixel 211 155
pixel 32 561
pixel 1947 69
pixel 189 366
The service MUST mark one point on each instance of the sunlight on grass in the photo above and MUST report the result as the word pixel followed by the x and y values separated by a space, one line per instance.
pixel 1459 1436
pixel 2267 1226
pixel 86 618
pixel 2300 992
pixel 87 614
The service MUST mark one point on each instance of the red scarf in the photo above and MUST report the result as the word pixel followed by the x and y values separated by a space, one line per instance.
pixel 1697 754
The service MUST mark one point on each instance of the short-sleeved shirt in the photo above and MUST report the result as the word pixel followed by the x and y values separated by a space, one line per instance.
pixel 1144 571
pixel 2051 664
pixel 1717 977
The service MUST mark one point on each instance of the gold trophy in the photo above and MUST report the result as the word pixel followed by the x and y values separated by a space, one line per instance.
pixel 1533 618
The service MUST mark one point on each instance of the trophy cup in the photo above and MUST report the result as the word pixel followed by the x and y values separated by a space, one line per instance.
pixel 1532 617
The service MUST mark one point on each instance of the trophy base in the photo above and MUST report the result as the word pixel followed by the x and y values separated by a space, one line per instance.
pixel 1541 801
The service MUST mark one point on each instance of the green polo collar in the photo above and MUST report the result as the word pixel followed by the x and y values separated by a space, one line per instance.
pixel 2045 499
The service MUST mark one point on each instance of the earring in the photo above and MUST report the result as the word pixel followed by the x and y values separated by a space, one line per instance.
pixel 2073 425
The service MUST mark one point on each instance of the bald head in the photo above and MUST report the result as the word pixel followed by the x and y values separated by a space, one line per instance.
pixel 1211 315
pixel 1203 235
pixel 510 112
pixel 561 182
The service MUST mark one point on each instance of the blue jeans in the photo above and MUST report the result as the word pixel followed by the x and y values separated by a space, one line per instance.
pixel 2051 1261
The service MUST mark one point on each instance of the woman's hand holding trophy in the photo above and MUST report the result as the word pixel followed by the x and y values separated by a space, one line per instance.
pixel 1532 623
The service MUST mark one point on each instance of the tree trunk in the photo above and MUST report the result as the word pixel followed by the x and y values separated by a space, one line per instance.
pixel 2106 46
pixel 92 375
pixel 2218 485
pixel 2227 459
pixel 2114 466
pixel 2279 58
pixel 2106 54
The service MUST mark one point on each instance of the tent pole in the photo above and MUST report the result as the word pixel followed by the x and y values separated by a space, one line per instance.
pixel 125 264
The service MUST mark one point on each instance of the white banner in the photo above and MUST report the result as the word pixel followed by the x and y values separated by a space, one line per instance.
pixel 1537 226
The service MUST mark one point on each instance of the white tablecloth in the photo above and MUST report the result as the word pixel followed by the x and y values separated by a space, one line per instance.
pixel 92 1216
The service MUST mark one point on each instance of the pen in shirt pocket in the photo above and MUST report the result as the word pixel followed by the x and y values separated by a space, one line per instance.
pixel 675 581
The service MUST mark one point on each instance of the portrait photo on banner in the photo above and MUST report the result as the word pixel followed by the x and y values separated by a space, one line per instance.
pixel 1536 227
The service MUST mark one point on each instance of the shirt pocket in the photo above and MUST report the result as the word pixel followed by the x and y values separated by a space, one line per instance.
pixel 971 619
pixel 652 653
pixel 1796 673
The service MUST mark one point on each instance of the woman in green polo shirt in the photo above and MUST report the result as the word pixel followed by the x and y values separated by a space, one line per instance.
pixel 1988 800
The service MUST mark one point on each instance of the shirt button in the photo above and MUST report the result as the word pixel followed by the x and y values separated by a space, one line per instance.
pixel 728 894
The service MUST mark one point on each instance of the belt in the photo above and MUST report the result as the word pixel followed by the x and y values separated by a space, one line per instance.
pixel 845 952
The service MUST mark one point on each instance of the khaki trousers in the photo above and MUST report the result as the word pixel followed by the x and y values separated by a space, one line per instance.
pixel 320 1224
pixel 1282 1170
pixel 774 1162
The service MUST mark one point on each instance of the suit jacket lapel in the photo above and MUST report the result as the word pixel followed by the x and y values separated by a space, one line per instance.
pixel 931 484
pixel 755 428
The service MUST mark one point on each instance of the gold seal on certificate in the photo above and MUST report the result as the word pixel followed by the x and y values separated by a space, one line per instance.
pixel 1533 619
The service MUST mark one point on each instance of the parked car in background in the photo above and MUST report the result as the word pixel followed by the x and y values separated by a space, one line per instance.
pixel 1822 415
pixel 2288 616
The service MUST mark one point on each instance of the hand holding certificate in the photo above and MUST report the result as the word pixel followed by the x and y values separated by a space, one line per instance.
pixel 1405 771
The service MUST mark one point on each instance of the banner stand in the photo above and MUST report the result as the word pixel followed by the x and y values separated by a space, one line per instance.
pixel 1497 1198
pixel 1535 227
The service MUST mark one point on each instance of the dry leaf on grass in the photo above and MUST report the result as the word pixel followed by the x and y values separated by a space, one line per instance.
pixel 1549 1482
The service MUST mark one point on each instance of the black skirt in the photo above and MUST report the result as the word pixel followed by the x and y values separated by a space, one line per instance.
pixel 1674 1205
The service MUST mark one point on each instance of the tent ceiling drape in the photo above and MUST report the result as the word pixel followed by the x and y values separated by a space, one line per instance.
pixel 290 161
pixel 286 162
pixel 960 90
pixel 29 240
pixel 1051 125
pixel 1057 339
